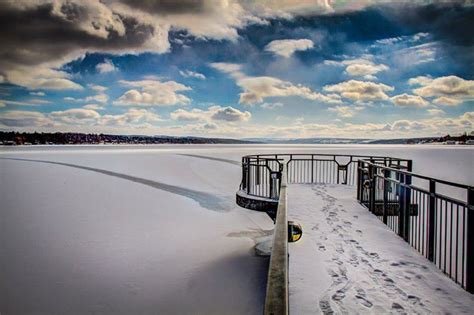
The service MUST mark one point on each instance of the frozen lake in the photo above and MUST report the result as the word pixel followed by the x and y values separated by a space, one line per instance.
pixel 147 229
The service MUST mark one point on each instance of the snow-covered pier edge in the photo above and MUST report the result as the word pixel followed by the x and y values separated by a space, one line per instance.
pixel 276 299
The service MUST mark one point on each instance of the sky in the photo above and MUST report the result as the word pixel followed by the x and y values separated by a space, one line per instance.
pixel 240 69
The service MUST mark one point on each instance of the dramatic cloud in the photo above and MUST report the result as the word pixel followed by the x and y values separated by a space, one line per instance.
pixel 153 93
pixel 106 66
pixel 256 89
pixel 409 100
pixel 361 90
pixel 286 47
pixel 192 74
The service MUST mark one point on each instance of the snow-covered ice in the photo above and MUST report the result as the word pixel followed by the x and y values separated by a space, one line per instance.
pixel 125 232
pixel 350 262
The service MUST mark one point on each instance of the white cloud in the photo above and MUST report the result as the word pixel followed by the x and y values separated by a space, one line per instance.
pixel 30 102
pixel 366 70
pixel 447 101
pixel 231 114
pixel 192 115
pixel 435 112
pixel 420 80
pixel 97 88
pixel 132 116
pixel 286 47
pixel 106 67
pixel 452 87
pixel 213 113
pixel 360 90
pixel 192 74
pixel 362 67
pixel 101 98
pixel 271 105
pixel 75 116
pixel 93 107
pixel 37 93
pixel 256 89
pixel 153 93
pixel 409 100
pixel 346 111
pixel 21 118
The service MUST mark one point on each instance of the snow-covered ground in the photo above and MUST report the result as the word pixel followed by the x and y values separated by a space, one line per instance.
pixel 146 229
pixel 348 262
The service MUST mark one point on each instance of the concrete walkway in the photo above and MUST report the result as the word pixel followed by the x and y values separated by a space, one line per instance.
pixel 350 262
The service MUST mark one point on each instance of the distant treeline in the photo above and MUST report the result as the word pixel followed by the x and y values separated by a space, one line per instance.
pixel 25 138
pixel 445 139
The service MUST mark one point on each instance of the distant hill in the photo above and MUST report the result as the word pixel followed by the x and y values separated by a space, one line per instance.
pixel 24 138
pixel 17 138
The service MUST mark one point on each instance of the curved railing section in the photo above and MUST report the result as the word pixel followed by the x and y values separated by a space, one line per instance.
pixel 261 174
pixel 434 216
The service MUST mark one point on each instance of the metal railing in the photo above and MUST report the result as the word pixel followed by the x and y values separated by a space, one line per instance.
pixel 434 216
pixel 261 174
pixel 423 211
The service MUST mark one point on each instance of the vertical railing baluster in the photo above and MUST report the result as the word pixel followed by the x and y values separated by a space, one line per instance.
pixel 431 221
pixel 372 187
pixel 401 206
pixel 385 196
pixel 470 241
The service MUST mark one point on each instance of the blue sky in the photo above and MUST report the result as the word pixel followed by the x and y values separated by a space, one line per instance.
pixel 286 69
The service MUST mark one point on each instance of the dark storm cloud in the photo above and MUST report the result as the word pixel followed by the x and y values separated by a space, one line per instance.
pixel 169 6
pixel 46 36
pixel 450 25
pixel 36 40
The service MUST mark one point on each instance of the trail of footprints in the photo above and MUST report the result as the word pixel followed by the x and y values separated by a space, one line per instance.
pixel 348 252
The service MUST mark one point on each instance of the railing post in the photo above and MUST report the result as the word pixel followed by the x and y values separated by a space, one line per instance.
pixel 247 175
pixel 406 224
pixel 431 221
pixel 401 206
pixel 359 181
pixel 257 172
pixel 470 241
pixel 385 196
pixel 312 168
pixel 372 187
